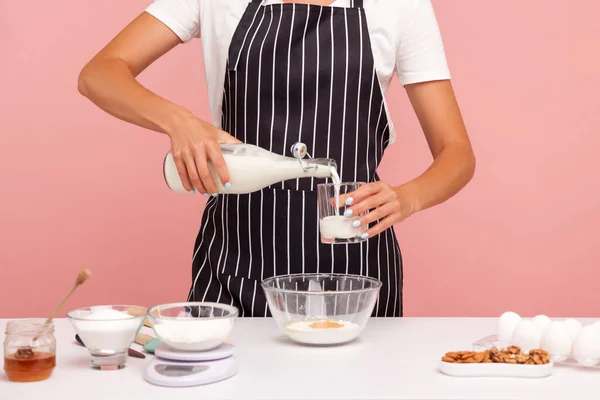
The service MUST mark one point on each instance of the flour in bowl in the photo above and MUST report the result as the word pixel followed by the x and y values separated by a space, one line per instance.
pixel 193 334
pixel 322 331
pixel 101 313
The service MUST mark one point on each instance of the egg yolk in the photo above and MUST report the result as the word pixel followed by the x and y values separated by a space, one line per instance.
pixel 326 325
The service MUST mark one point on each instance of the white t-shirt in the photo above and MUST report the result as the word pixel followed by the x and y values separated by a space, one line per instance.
pixel 405 39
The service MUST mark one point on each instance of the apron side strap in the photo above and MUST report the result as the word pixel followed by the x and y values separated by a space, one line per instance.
pixel 357 4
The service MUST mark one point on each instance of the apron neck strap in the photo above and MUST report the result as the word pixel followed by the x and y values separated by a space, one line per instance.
pixel 353 3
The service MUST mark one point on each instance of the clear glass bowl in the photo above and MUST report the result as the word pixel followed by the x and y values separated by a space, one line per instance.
pixel 321 309
pixel 107 332
pixel 192 326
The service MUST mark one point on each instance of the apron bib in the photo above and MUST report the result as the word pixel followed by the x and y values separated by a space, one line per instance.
pixel 296 72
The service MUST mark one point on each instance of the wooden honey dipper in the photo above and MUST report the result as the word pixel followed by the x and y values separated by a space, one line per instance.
pixel 83 276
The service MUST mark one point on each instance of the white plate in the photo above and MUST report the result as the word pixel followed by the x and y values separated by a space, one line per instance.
pixel 499 370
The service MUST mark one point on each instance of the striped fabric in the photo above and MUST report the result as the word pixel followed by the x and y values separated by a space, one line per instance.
pixel 305 73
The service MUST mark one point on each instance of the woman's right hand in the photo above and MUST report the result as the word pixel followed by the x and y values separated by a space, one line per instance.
pixel 194 143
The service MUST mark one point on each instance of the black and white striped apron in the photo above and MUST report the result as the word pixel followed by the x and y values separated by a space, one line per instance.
pixel 296 73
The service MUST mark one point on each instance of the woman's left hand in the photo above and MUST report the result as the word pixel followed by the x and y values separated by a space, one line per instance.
pixel 384 203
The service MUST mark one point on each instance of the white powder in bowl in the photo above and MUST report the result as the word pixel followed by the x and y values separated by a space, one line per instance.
pixel 193 334
pixel 106 314
pixel 322 331
pixel 107 329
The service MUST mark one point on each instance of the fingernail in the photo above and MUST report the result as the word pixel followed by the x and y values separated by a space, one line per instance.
pixel 227 185
pixel 356 224
pixel 193 191
pixel 364 236
pixel 349 201
pixel 347 213
pixel 206 195
pixel 215 194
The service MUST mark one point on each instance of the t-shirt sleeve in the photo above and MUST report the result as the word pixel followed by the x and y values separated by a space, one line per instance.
pixel 420 56
pixel 181 16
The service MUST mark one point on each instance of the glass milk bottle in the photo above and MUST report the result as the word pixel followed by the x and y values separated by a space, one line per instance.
pixel 252 168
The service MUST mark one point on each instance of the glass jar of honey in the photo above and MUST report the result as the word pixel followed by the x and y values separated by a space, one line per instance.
pixel 29 350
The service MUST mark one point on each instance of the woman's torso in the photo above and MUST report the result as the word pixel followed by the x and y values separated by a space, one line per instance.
pixel 386 20
pixel 404 34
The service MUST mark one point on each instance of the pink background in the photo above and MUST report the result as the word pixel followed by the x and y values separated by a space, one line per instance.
pixel 82 189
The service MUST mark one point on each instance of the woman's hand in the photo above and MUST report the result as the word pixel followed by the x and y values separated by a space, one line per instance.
pixel 194 143
pixel 385 203
pixel 453 166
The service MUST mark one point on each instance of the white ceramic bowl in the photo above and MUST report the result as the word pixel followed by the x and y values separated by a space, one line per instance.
pixel 192 326
pixel 321 309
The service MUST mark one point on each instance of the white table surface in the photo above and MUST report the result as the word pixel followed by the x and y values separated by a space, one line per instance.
pixel 393 359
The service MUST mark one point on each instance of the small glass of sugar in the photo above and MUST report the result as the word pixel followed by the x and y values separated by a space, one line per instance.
pixel 107 332
pixel 334 225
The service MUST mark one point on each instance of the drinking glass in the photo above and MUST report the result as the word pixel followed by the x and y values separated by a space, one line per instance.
pixel 335 228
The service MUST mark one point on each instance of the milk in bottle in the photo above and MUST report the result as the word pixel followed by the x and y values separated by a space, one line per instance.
pixel 252 168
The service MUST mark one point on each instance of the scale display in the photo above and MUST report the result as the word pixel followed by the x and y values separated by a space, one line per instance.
pixel 173 368
pixel 179 370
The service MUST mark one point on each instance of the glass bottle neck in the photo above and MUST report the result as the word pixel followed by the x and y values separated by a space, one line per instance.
pixel 318 167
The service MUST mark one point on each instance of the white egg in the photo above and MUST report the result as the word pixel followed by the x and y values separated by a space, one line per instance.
pixel 541 322
pixel 586 348
pixel 557 340
pixel 506 325
pixel 526 336
pixel 574 327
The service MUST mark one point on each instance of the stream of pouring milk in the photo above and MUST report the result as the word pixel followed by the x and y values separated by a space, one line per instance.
pixel 335 178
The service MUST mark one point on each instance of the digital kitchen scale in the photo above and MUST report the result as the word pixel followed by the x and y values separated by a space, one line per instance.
pixel 175 368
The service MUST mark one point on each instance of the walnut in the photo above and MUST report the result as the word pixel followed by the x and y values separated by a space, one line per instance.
pixel 522 358
pixel 540 356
